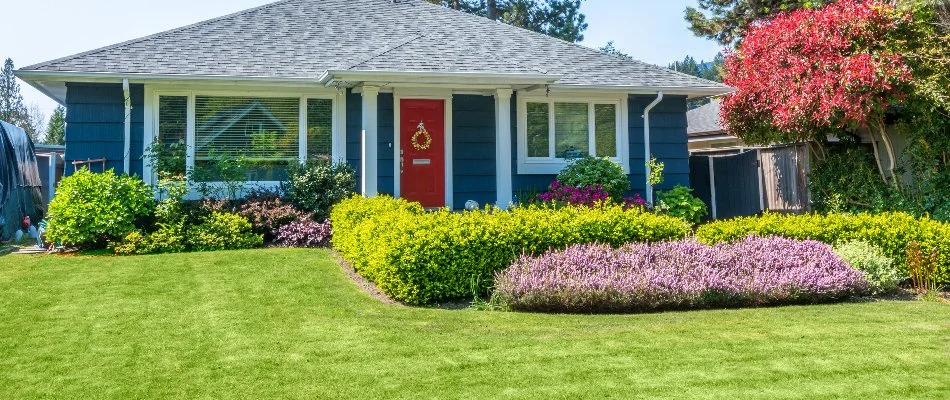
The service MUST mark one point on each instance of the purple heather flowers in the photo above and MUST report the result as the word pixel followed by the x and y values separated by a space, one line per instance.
pixel 678 275
pixel 304 233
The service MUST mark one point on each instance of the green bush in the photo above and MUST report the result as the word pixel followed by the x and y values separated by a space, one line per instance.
pixel 890 232
pixel 421 257
pixel 317 185
pixel 164 240
pixel 92 209
pixel 847 180
pixel 879 269
pixel 594 171
pixel 224 231
pixel 680 202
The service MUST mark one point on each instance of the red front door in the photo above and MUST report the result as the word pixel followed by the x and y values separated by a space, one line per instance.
pixel 422 142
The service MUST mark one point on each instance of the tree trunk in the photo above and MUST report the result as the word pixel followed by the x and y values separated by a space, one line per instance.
pixel 493 10
pixel 892 158
pixel 877 155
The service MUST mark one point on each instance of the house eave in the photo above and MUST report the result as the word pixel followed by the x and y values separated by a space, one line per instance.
pixel 691 92
pixel 53 83
pixel 350 78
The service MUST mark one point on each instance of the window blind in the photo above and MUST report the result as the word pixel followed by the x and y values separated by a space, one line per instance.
pixel 262 132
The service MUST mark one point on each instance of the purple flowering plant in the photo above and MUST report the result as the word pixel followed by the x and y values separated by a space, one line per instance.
pixel 304 233
pixel 560 193
pixel 681 274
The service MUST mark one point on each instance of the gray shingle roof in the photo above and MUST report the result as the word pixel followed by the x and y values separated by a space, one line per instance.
pixel 704 121
pixel 305 38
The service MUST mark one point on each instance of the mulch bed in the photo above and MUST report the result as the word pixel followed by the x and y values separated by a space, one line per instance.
pixel 364 284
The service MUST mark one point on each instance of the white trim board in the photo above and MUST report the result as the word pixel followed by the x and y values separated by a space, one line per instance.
pixel 424 94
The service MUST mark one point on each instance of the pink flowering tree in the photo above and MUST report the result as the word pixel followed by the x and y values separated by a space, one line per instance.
pixel 811 72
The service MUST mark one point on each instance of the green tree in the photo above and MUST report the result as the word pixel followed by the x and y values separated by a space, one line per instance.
pixel 11 101
pixel 726 21
pixel 558 18
pixel 609 48
pixel 56 130
pixel 707 70
pixel 688 66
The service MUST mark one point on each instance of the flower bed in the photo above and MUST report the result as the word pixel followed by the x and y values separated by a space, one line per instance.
pixel 678 275
pixel 421 257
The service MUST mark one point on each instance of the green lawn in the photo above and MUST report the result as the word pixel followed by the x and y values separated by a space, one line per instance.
pixel 290 323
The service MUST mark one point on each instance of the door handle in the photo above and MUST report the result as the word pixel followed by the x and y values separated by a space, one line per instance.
pixel 402 163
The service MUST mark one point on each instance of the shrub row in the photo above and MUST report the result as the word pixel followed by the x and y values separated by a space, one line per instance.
pixel 678 275
pixel 891 232
pixel 421 257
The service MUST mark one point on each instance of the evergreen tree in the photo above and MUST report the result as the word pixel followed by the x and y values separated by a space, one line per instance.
pixel 707 70
pixel 56 131
pixel 609 48
pixel 688 66
pixel 11 101
pixel 726 21
pixel 558 18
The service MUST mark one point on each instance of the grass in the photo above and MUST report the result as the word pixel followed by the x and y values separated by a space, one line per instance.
pixel 289 323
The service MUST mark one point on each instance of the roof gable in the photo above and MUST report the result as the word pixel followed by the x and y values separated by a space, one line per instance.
pixel 305 38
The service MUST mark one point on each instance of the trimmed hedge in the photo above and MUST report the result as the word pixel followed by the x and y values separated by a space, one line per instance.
pixel 420 257
pixel 891 232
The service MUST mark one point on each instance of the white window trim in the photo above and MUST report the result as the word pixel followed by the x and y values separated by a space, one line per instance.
pixel 551 165
pixel 153 92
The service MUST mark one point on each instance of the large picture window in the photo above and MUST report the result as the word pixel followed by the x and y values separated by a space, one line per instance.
pixel 262 134
pixel 552 132
pixel 257 136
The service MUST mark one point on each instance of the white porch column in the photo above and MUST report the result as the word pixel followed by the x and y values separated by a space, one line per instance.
pixel 503 183
pixel 370 155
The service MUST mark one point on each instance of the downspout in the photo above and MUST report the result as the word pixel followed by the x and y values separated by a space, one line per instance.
pixel 646 143
pixel 128 127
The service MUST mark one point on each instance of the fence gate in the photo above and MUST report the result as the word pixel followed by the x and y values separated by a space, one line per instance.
pixel 752 181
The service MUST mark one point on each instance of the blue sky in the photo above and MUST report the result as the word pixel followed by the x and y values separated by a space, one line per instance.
pixel 649 30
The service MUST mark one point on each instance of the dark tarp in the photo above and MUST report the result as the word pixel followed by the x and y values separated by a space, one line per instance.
pixel 20 186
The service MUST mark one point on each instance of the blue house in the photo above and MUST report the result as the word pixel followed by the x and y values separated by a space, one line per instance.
pixel 427 103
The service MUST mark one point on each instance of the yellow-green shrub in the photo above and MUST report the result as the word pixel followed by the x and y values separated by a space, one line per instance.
pixel 891 232
pixel 421 257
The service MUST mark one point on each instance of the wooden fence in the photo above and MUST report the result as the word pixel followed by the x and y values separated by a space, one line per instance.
pixel 752 181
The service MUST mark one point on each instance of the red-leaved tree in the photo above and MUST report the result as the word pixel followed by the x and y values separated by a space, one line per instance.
pixel 805 74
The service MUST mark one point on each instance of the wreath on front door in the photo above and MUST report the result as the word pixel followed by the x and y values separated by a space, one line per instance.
pixel 421 140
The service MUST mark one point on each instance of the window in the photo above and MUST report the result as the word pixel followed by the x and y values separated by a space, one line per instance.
pixel 169 151
pixel 554 131
pixel 319 128
pixel 220 136
pixel 262 133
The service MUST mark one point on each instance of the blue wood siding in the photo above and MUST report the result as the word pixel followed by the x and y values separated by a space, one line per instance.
pixel 354 140
pixel 95 125
pixel 385 139
pixel 473 149
pixel 354 130
pixel 668 141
